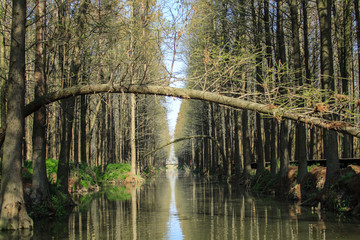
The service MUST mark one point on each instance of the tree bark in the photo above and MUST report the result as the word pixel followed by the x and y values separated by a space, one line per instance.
pixel 300 136
pixel 278 112
pixel 246 142
pixel 133 133
pixel 281 59
pixel 328 83
pixel 13 210
pixel 40 185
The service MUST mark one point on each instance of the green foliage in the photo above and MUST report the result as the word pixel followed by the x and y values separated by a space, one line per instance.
pixel 28 166
pixel 116 171
pixel 51 167
pixel 115 193
pixel 262 182
pixel 27 173
pixel 312 166
pixel 59 200
pixel 150 171
pixel 346 178
pixel 39 210
pixel 86 175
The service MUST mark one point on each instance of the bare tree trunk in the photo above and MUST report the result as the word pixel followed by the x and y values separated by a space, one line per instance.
pixel 281 58
pixel 273 159
pixel 133 133
pixel 259 150
pixel 246 142
pixel 40 185
pixel 13 210
pixel 345 60
pixel 357 18
pixel 192 94
pixel 237 157
pixel 328 83
pixel 300 136
pixel 83 154
pixel 3 76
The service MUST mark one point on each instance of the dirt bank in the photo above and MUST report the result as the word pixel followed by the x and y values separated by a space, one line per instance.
pixel 342 195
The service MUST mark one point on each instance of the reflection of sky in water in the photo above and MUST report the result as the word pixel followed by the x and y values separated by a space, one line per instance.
pixel 174 230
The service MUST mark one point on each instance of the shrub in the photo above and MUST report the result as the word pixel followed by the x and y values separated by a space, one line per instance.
pixel 116 171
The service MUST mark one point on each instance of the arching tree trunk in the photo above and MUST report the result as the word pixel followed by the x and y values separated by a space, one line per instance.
pixel 13 211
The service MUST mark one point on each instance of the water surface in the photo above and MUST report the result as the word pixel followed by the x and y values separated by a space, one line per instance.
pixel 185 207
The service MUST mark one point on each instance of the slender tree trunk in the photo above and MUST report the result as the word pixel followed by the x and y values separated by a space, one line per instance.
pixel 345 60
pixel 237 157
pixel 273 159
pixel 40 185
pixel 300 141
pixel 3 77
pixel 304 4
pixel 83 154
pixel 281 59
pixel 269 124
pixel 259 152
pixel 13 210
pixel 133 133
pixel 328 83
pixel 357 18
pixel 246 142
pixel 224 164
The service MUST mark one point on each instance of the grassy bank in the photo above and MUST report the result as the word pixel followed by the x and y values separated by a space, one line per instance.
pixel 83 179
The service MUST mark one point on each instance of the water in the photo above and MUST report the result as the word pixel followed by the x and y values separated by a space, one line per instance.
pixel 185 207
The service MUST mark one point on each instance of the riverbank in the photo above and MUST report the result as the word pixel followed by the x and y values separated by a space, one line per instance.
pixel 342 195
pixel 83 180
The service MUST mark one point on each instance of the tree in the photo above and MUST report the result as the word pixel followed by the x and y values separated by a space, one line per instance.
pixel 281 60
pixel 328 84
pixel 300 141
pixel 40 185
pixel 13 210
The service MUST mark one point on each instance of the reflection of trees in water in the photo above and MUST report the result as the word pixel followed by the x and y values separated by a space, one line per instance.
pixel 143 216
pixel 204 211
pixel 211 211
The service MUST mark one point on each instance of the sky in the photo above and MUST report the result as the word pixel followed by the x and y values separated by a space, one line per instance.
pixel 171 9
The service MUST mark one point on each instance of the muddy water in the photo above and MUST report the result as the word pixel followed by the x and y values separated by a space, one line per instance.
pixel 184 207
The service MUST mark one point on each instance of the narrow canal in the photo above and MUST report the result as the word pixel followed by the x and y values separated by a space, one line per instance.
pixel 178 206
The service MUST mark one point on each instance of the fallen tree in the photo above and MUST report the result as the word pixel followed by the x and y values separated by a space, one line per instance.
pixel 237 103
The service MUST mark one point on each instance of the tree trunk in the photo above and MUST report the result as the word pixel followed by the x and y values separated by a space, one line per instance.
pixel 237 157
pixel 40 185
pixel 83 155
pixel 273 159
pixel 259 149
pixel 133 133
pixel 3 82
pixel 281 59
pixel 246 142
pixel 357 18
pixel 284 148
pixel 304 4
pixel 300 136
pixel 328 83
pixel 345 60
pixel 13 210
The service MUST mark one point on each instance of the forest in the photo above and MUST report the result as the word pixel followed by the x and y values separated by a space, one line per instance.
pixel 295 59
